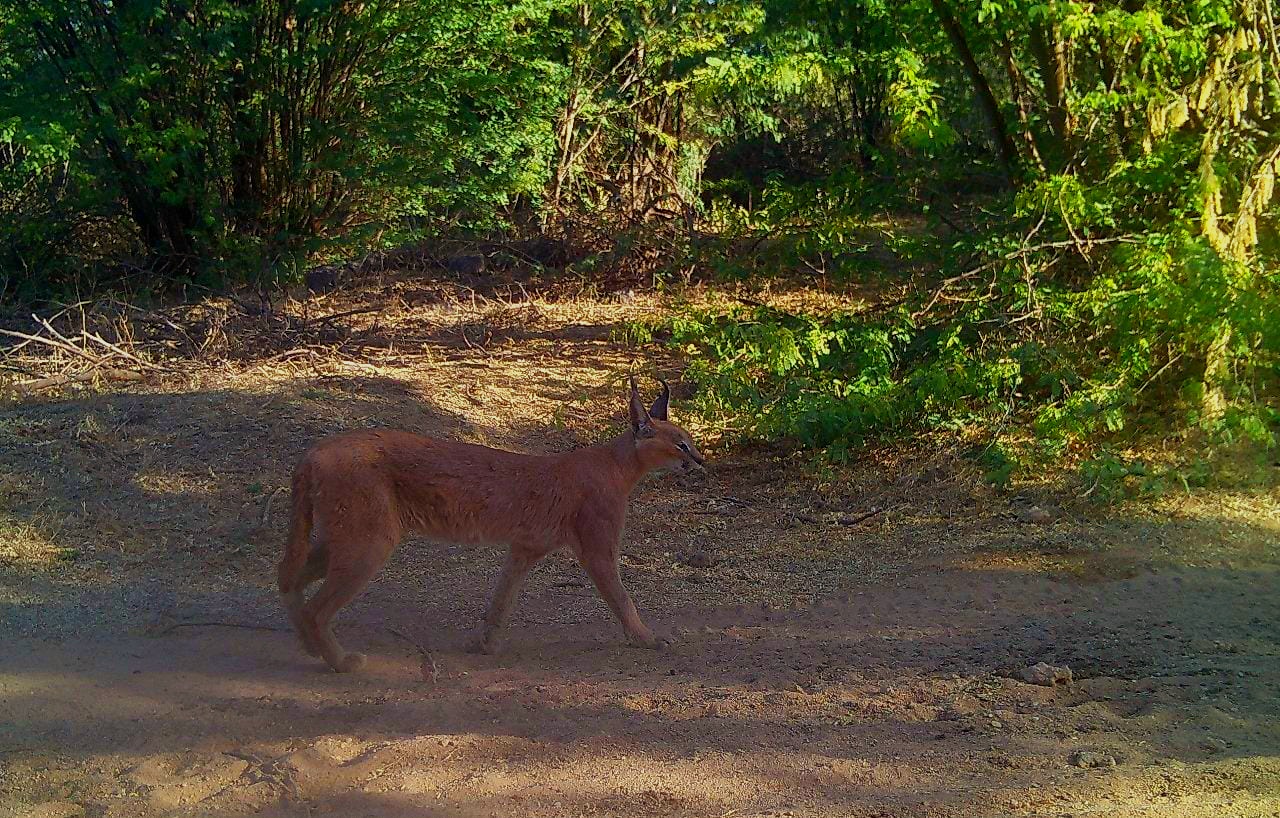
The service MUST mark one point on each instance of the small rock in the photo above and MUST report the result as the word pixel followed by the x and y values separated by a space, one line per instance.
pixel 1214 745
pixel 324 279
pixel 1045 674
pixel 465 264
pixel 1089 759
pixel 1035 515
pixel 699 559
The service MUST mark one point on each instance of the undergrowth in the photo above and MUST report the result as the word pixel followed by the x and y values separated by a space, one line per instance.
pixel 1045 372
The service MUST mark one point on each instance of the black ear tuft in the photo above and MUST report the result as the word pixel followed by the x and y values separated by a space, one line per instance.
pixel 635 412
pixel 659 408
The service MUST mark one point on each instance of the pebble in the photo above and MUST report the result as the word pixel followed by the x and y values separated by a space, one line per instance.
pixel 1035 515
pixel 699 559
pixel 1047 675
pixel 1089 759
pixel 1214 745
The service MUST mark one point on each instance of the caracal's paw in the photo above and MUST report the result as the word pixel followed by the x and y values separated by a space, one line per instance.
pixel 651 642
pixel 351 663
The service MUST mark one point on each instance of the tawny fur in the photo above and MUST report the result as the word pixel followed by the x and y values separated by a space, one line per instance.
pixel 356 495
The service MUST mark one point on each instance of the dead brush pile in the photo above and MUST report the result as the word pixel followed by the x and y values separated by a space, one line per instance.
pixel 366 317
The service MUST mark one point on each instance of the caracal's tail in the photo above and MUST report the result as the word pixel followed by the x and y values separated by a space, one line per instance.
pixel 298 546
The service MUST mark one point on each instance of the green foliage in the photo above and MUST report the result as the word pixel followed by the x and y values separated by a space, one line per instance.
pixel 256 131
pixel 835 381
pixel 1121 284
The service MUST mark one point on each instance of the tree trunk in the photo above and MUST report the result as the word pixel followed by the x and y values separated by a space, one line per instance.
pixel 1017 87
pixel 1051 53
pixel 981 88
pixel 1217 359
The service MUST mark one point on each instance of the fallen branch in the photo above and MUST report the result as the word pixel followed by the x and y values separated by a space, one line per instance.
pixel 122 353
pixel 177 625
pixel 430 670
pixel 109 373
pixel 65 347
pixel 843 519
pixel 345 313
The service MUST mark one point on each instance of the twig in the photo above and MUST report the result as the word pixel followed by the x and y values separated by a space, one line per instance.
pixel 177 625
pixel 1019 253
pixel 947 283
pixel 66 347
pixel 1097 481
pixel 843 519
pixel 155 317
pixel 866 515
pixel 44 323
pixel 430 670
pixel 109 373
pixel 1158 373
pixel 123 353
pixel 266 512
pixel 322 319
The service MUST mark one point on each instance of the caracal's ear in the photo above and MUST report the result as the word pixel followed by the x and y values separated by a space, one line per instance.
pixel 640 425
pixel 659 408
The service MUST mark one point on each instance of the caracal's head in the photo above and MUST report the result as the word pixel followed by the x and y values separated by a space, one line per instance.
pixel 661 444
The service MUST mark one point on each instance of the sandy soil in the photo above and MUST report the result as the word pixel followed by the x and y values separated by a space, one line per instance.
pixel 823 667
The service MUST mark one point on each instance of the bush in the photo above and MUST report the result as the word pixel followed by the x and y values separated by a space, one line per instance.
pixel 239 135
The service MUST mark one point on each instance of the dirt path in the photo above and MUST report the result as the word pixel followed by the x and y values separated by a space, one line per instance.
pixel 821 669
pixel 889 704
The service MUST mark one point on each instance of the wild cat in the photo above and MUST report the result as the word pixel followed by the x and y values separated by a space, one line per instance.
pixel 356 495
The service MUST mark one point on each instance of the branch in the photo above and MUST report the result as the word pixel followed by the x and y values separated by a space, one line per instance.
pixel 1079 244
pixel 177 625
pixel 109 373
pixel 430 670
pixel 124 354
pixel 65 346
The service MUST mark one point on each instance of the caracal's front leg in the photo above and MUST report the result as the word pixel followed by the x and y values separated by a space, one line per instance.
pixel 519 563
pixel 600 559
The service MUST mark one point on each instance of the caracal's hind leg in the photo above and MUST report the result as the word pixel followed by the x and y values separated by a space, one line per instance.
pixel 359 535
pixel 519 563
pixel 600 559
pixel 344 582
pixel 294 601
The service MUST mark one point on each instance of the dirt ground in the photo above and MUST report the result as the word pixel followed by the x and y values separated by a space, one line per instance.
pixel 847 644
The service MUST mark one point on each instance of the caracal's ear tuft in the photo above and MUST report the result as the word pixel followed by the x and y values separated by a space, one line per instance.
pixel 640 425
pixel 659 408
